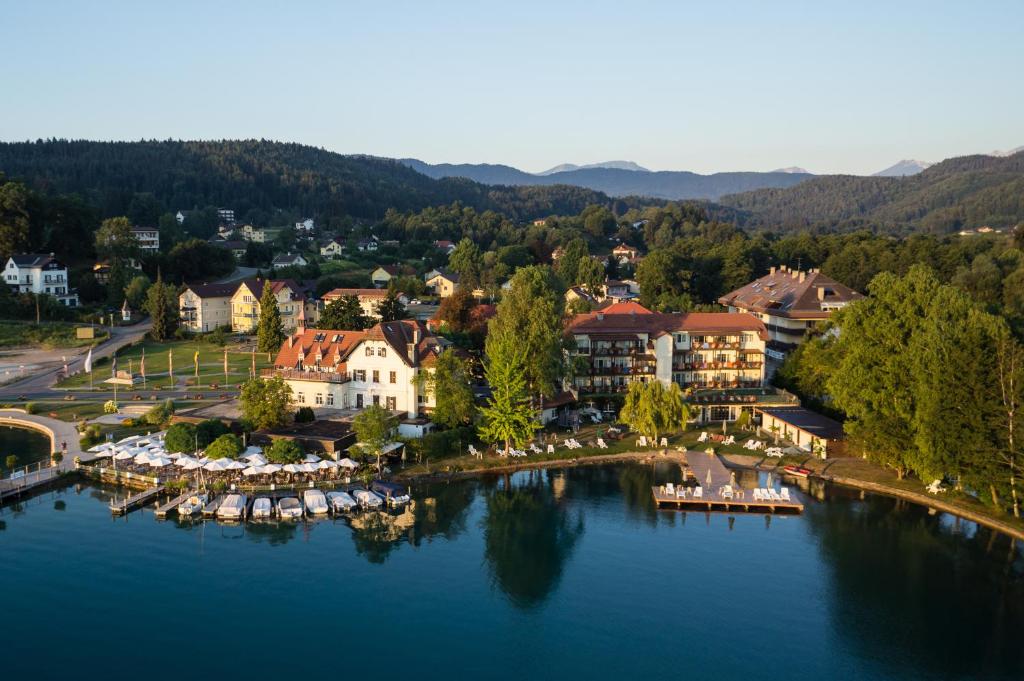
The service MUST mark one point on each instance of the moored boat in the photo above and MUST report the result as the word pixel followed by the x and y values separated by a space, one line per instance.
pixel 232 508
pixel 797 471
pixel 393 493
pixel 367 499
pixel 262 509
pixel 193 505
pixel 315 501
pixel 289 508
pixel 341 502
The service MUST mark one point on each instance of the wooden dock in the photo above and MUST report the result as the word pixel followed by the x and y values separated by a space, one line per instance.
pixel 210 510
pixel 126 505
pixel 712 476
pixel 164 509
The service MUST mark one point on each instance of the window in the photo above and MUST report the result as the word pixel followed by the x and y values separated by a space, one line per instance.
pixel 319 398
pixel 376 376
pixel 369 351
pixel 330 399
pixel 359 401
pixel 300 398
pixel 420 399
pixel 393 377
pixel 359 375
pixel 383 352
pixel 376 400
pixel 391 402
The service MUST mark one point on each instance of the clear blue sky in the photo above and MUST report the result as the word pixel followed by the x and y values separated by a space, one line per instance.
pixel 708 86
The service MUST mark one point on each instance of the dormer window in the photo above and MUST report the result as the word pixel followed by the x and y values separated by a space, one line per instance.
pixel 369 351
pixel 382 352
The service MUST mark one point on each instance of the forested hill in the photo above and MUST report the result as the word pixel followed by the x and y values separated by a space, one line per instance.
pixel 965 192
pixel 667 184
pixel 256 178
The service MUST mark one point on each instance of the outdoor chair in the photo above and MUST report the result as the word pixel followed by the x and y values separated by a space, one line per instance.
pixel 785 494
pixel 551 449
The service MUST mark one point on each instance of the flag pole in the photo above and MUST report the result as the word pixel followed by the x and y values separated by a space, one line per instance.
pixel 225 367
pixel 170 368
pixel 195 359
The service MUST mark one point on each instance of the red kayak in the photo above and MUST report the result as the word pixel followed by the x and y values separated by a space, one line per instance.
pixel 797 471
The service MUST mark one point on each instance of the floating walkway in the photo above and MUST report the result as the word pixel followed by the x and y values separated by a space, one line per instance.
pixel 164 509
pixel 124 506
pixel 712 476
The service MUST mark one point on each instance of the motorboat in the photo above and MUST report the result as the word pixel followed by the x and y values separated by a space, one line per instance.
pixel 316 502
pixel 797 471
pixel 232 508
pixel 367 499
pixel 341 502
pixel 289 508
pixel 194 504
pixel 262 509
pixel 393 493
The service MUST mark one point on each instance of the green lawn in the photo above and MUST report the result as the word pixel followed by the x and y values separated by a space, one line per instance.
pixel 211 366
pixel 50 335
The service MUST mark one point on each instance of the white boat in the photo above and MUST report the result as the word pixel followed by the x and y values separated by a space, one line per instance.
pixel 289 508
pixel 341 502
pixel 262 509
pixel 232 508
pixel 367 499
pixel 316 502
pixel 194 504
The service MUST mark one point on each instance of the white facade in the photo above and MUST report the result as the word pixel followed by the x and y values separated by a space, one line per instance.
pixel 148 238
pixel 306 225
pixel 40 274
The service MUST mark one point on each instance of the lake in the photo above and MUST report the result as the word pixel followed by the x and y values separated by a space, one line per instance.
pixel 558 573
pixel 28 445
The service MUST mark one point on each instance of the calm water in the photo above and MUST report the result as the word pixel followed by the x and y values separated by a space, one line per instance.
pixel 28 445
pixel 555 573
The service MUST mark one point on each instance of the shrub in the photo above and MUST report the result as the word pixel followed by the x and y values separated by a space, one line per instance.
pixel 160 414
pixel 110 407
pixel 209 430
pixel 219 486
pixel 445 443
pixel 57 457
pixel 224 447
pixel 283 451
pixel 11 461
pixel 181 437
pixel 305 415
pixel 31 408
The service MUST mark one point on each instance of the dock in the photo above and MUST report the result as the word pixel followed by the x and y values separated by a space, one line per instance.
pixel 134 501
pixel 712 475
pixel 164 509
pixel 210 510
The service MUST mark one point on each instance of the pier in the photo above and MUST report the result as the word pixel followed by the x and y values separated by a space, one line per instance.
pixel 126 505
pixel 210 510
pixel 713 478
pixel 162 510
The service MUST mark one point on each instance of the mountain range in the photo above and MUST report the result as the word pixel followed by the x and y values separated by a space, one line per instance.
pixel 618 178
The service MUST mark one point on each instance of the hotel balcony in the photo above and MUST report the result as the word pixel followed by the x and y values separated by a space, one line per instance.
pixel 312 375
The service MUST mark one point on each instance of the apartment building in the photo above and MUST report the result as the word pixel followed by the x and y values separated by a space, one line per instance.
pixel 206 307
pixel 148 238
pixel 40 274
pixel 296 307
pixel 369 298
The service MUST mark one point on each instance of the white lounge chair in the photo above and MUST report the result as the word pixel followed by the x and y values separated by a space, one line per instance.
pixel 535 449
pixel 664 442
pixel 729 440
pixel 670 488
pixel 551 449
pixel 785 494
pixel 698 492
pixel 775 496
pixel 703 437
pixel 642 442
pixel 935 487
pixel 601 443
pixel 757 494
pixel 473 451
pixel 773 451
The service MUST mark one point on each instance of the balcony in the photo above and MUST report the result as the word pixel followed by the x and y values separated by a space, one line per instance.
pixel 300 375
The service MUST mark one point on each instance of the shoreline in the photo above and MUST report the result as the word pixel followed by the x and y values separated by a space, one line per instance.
pixel 918 498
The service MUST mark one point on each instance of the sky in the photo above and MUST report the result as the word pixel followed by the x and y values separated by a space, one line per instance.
pixel 707 86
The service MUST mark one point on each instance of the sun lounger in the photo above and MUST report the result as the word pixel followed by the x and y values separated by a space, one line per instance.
pixel 534 448
pixel 773 451
pixel 698 492
pixel 757 494
pixel 670 488
pixel 775 496
pixel 642 442
pixel 785 494
pixel 601 443
pixel 703 437
pixel 551 449
pixel 730 440
pixel 935 487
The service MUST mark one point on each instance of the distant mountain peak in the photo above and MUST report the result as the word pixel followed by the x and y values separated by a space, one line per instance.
pixel 903 168
pixel 793 170
pixel 1010 152
pixel 615 165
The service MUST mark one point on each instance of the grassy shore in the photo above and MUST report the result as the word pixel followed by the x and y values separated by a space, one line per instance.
pixel 48 336
pixel 211 366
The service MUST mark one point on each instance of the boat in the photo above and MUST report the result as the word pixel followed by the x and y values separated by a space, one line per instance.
pixel 289 508
pixel 393 493
pixel 232 508
pixel 341 502
pixel 262 509
pixel 194 504
pixel 315 501
pixel 367 499
pixel 797 471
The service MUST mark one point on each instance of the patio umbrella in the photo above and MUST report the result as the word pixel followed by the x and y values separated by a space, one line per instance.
pixel 103 453
pixel 709 478
pixel 292 468
pixel 142 458
pixel 213 466
pixel 732 478
pixel 159 462
pixel 326 465
pixel 250 451
pixel 184 461
pixel 348 463
pixel 310 459
pixel 235 466
pixel 768 482
pixel 192 465
pixel 252 470
pixel 307 467
pixel 271 468
pixel 256 459
pixel 101 447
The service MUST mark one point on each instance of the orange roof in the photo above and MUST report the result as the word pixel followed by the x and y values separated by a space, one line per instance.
pixel 357 292
pixel 626 307
pixel 328 347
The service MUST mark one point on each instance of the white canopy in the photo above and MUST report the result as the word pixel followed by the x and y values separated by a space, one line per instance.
pixel 292 468
pixel 123 456
pixel 235 466
pixel 159 462
pixel 102 447
pixel 191 465
pixel 103 453
pixel 308 467
pixel 217 465
pixel 310 458
pixel 326 465
pixel 184 460
pixel 256 459
pixel 252 470
pixel 271 468
pixel 130 439
pixel 348 463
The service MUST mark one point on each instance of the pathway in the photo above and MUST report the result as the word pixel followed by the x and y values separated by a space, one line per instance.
pixel 58 432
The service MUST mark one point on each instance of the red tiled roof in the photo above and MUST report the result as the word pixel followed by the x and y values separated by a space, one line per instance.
pixel 331 346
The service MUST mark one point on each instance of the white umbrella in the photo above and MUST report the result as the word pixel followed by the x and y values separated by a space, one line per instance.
pixel 214 466
pixel 130 439
pixel 256 459
pixel 272 468
pixel 309 467
pixel 709 478
pixel 252 470
pixel 123 456
pixel 348 463
pixel 292 468
pixel 102 447
pixel 192 465
pixel 310 459
pixel 103 453
pixel 142 458
pixel 326 465
pixel 159 462
pixel 172 455
pixel 235 466
pixel 184 461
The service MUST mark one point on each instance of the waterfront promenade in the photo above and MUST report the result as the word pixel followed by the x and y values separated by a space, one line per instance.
pixel 58 432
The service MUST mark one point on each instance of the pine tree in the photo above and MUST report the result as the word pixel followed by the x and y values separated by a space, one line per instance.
pixel 162 306
pixel 270 331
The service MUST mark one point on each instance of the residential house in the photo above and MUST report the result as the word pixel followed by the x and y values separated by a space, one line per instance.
pixel 369 298
pixel 442 282
pixel 40 274
pixel 225 231
pixel 790 303
pixel 383 274
pixel 101 272
pixel 238 247
pixel 626 342
pixel 181 216
pixel 335 248
pixel 260 235
pixel 297 309
pixel 288 260
pixel 626 255
pixel 445 245
pixel 581 293
pixel 806 429
pixel 618 291
pixel 148 238
pixel 337 369
pixel 206 307
pixel 367 245
pixel 557 254
pixel 226 216
pixel 540 222
pixel 306 225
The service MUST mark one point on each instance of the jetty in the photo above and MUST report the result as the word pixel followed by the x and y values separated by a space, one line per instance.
pixel 134 501
pixel 210 510
pixel 162 510
pixel 719 491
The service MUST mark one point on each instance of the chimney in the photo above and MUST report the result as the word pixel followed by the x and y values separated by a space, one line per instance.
pixel 414 345
pixel 772 270
pixel 291 341
pixel 821 293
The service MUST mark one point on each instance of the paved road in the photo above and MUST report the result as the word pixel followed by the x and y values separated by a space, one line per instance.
pixel 40 383
pixel 239 274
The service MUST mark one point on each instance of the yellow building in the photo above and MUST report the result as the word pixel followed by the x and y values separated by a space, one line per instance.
pixel 294 305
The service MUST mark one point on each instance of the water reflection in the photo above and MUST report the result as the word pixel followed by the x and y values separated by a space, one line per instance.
pixel 950 593
pixel 529 535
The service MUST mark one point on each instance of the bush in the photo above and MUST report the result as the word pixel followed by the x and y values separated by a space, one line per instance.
pixel 181 437
pixel 305 415
pixel 224 447
pixel 110 407
pixel 11 461
pixel 209 430
pixel 91 435
pixel 283 451
pixel 57 457
pixel 160 413
pixel 444 443
pixel 31 408
pixel 219 486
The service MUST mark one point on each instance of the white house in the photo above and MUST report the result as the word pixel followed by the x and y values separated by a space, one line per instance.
pixel 306 225
pixel 367 245
pixel 40 274
pixel 369 298
pixel 288 260
pixel 148 238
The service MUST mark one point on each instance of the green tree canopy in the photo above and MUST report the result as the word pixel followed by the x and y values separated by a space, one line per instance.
pixel 283 451
pixel 391 309
pixel 651 409
pixel 225 447
pixel 180 437
pixel 448 382
pixel 266 403
pixel 344 313
pixel 269 330
pixel 507 418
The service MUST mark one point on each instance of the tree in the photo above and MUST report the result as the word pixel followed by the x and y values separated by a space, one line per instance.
pixel 530 314
pixel 135 292
pixel 269 330
pixel 209 430
pixel 373 427
pixel 225 447
pixel 162 307
pixel 568 266
pixel 14 218
pixel 115 241
pixel 448 382
pixel 266 403
pixel 456 310
pixel 180 437
pixel 507 418
pixel 590 276
pixel 467 262
pixel 344 313
pixel 391 309
pixel 283 451
pixel 305 415
pixel 651 409
pixel 664 282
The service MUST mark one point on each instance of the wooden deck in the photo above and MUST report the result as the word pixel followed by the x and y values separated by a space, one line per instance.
pixel 126 505
pixel 712 475
pixel 210 510
pixel 164 509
